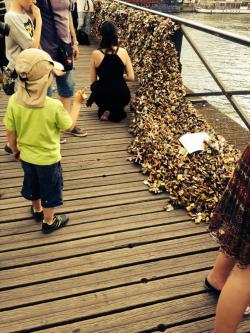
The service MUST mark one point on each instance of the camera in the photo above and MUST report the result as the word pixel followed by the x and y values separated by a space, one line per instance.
pixel 4 29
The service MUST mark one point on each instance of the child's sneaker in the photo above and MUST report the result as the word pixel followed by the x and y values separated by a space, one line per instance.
pixel 38 216
pixel 76 131
pixel 59 221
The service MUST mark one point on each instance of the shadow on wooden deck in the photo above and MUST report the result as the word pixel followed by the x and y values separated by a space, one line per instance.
pixel 123 264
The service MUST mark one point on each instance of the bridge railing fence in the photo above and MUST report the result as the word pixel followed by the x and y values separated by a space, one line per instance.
pixel 232 37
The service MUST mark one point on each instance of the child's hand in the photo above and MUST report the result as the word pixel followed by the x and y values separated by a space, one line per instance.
pixel 16 155
pixel 80 96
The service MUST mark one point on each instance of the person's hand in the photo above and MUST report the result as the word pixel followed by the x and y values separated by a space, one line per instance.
pixel 80 96
pixel 34 13
pixel 16 155
pixel 75 51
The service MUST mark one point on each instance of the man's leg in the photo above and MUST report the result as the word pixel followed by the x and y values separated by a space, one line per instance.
pixel 65 87
pixel 66 102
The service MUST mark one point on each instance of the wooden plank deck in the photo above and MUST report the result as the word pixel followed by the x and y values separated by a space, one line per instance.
pixel 123 264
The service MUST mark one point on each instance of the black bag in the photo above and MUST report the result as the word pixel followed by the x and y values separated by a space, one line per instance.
pixel 65 51
pixel 82 37
pixel 65 55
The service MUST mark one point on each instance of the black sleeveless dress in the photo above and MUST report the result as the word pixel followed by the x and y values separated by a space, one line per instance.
pixel 110 92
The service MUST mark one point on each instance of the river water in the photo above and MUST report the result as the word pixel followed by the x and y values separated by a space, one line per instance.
pixel 231 61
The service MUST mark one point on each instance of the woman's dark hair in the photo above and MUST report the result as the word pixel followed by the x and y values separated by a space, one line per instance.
pixel 109 35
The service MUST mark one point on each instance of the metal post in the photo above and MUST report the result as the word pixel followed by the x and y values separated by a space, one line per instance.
pixel 177 40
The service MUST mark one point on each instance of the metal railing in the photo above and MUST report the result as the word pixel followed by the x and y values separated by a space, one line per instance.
pixel 232 37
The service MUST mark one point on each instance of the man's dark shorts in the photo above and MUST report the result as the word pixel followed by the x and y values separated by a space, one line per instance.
pixel 43 182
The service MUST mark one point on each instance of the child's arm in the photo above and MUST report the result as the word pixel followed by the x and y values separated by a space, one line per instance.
pixel 11 135
pixel 79 98
pixel 38 26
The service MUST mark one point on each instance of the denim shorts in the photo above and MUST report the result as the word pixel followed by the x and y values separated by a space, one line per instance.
pixel 65 85
pixel 43 182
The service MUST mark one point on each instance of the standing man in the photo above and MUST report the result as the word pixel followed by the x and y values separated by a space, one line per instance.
pixel 58 24
pixel 3 60
pixel 85 8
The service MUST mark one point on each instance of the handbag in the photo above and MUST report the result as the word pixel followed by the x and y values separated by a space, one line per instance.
pixel 65 55
pixel 82 37
pixel 65 50
pixel 9 81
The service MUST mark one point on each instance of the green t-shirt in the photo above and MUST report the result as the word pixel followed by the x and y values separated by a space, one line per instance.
pixel 38 129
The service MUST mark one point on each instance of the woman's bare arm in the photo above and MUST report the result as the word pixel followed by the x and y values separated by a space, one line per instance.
pixel 129 76
pixel 93 74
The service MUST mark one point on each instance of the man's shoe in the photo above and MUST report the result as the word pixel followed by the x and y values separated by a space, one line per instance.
pixel 38 216
pixel 59 221
pixel 7 149
pixel 76 131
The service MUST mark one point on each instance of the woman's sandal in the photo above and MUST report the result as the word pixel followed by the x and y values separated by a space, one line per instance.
pixel 217 292
pixel 211 288
pixel 105 115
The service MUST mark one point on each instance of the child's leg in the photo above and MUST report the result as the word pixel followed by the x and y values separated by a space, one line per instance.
pixel 37 205
pixel 234 298
pixel 31 189
pixel 48 214
pixel 51 185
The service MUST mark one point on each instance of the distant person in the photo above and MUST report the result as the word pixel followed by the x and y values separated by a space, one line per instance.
pixel 58 24
pixel 111 67
pixel 23 35
pixel 3 59
pixel 74 15
pixel 85 9
pixel 33 122
pixel 230 277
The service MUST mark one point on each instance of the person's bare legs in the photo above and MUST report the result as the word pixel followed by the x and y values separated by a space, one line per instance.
pixel 223 266
pixel 66 102
pixel 48 214
pixel 37 205
pixel 234 298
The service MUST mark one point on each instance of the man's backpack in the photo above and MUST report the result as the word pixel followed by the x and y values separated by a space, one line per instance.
pixel 82 37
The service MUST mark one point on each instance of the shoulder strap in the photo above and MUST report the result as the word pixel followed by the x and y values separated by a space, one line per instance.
pixel 102 51
pixel 117 50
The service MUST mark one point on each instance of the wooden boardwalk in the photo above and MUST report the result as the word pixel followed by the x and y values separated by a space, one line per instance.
pixel 123 264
